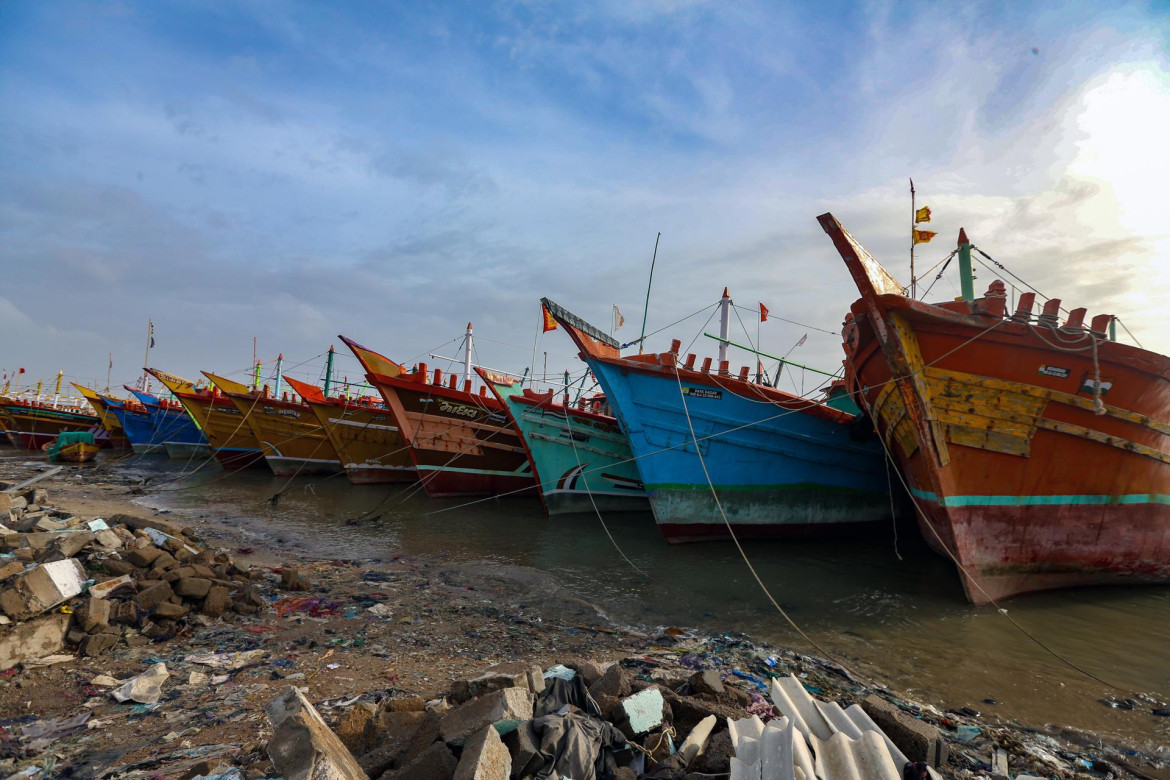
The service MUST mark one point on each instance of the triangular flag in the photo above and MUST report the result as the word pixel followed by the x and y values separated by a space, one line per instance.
pixel 763 313
pixel 923 236
pixel 549 322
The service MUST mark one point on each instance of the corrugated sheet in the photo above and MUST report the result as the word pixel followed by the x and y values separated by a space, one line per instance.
pixel 812 740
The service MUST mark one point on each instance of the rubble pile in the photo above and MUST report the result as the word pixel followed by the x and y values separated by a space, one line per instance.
pixel 66 582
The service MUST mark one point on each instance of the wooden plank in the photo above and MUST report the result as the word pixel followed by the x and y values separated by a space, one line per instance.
pixel 33 480
pixel 984 422
pixel 989 440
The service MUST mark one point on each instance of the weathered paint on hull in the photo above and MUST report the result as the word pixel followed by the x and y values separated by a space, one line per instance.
pixel 182 451
pixel 231 440
pixel 138 427
pixel 995 431
pixel 171 422
pixel 290 436
pixel 777 471
pixel 576 458
pixel 444 482
pixel 364 435
pixel 32 427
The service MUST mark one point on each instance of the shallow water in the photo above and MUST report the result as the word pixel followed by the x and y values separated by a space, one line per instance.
pixel 902 621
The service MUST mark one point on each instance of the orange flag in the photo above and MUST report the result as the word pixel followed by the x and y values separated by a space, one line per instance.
pixel 549 322
pixel 763 313
pixel 923 236
pixel 922 215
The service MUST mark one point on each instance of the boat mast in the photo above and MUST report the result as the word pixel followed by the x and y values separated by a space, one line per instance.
pixel 467 356
pixel 57 391
pixel 646 308
pixel 145 382
pixel 966 279
pixel 913 223
pixel 279 362
pixel 724 325
pixel 328 370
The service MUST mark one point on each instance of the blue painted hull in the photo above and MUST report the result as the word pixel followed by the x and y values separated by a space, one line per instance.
pixel 139 428
pixel 777 471
pixel 171 426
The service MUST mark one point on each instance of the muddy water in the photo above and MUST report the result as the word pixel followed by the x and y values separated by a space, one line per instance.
pixel 898 620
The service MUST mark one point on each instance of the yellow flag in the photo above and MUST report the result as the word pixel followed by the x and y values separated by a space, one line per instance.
pixel 922 215
pixel 923 236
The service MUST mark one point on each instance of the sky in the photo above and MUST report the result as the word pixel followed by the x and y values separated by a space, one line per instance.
pixel 390 171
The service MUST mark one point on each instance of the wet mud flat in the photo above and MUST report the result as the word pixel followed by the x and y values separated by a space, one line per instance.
pixel 365 639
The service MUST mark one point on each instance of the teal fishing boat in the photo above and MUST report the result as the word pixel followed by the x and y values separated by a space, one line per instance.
pixel 578 452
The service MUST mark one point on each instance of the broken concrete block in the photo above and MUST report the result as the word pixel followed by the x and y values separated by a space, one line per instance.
pixel 95 615
pixel 356 728
pixel 919 741
pixel 401 736
pixel 170 611
pixel 506 675
pixel 434 763
pixel 34 639
pixel 641 712
pixel 36 590
pixel 484 757
pixel 154 595
pixel 615 682
pixel 108 588
pixel 302 746
pixel 142 557
pixel 693 745
pixel 146 688
pixel 291 579
pixel 108 539
pixel 216 602
pixel 193 587
pixel 707 683
pixel 96 644
pixel 505 709
pixel 69 544
pixel 10 570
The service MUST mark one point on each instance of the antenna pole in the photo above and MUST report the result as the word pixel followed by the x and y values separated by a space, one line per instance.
pixel 646 308
pixel 913 216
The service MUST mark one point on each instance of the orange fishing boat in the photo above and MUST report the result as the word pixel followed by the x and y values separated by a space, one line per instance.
pixel 290 436
pixel 461 442
pixel 363 433
pixel 1037 452
pixel 231 440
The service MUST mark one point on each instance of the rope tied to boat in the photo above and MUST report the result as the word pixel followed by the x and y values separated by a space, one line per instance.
pixel 1098 404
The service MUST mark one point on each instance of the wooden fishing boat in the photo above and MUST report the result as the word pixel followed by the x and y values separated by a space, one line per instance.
pixel 1038 452
pixel 106 418
pixel 175 431
pixel 5 422
pixel 229 437
pixel 780 464
pixel 290 436
pixel 461 442
pixel 31 424
pixel 136 423
pixel 578 452
pixel 363 433
pixel 72 447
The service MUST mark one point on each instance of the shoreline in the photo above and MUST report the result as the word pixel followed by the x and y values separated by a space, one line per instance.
pixel 442 621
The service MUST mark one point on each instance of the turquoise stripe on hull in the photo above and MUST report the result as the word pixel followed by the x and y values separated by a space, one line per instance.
pixel 1071 500
pixel 577 457
pixel 774 467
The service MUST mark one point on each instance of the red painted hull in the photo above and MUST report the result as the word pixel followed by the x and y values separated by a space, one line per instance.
pixel 1016 475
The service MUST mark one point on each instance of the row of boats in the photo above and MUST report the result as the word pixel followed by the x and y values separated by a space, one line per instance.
pixel 1036 451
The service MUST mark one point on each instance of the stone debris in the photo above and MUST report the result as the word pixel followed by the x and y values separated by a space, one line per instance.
pixel 302 746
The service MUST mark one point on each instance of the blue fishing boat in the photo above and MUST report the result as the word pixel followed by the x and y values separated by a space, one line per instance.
pixel 136 423
pixel 780 464
pixel 174 430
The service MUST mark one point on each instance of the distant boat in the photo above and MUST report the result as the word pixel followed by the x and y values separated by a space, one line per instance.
pixel 363 433
pixel 136 423
pixel 31 423
pixel 174 431
pixel 578 452
pixel 290 436
pixel 1037 451
pixel 72 447
pixel 106 418
pixel 780 464
pixel 461 442
pixel 231 440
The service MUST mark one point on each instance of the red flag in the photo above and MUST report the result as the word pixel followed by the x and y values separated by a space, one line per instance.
pixel 763 313
pixel 22 370
pixel 549 322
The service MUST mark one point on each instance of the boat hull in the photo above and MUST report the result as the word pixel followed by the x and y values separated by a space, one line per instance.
pixel 581 459
pixel 291 438
pixel 368 443
pixel 461 444
pixel 186 451
pixel 779 471
pixel 1022 475
pixel 31 427
pixel 230 439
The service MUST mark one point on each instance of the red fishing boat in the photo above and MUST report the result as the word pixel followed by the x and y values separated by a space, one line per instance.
pixel 462 442
pixel 1037 451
